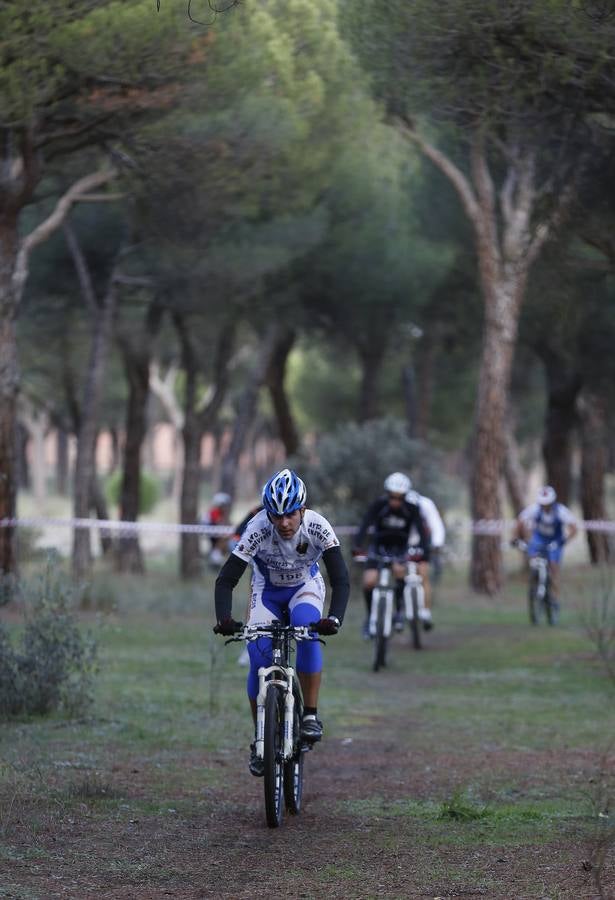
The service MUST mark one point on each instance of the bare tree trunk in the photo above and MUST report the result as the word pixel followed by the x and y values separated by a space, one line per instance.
pixel 561 421
pixel 164 389
pixel 592 415
pixel 247 410
pixel 508 240
pixel 36 423
pixel 489 445
pixel 85 464
pixel 61 460
pixel 20 177
pixel 98 503
pixel 9 382
pixel 196 423
pixel 513 470
pixel 137 359
pixel 279 398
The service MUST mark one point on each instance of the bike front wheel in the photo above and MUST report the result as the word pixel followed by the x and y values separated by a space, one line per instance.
pixel 380 638
pixel 293 768
pixel 415 622
pixel 273 757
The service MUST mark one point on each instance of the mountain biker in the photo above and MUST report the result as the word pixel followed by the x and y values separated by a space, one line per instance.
pixel 283 544
pixel 546 526
pixel 391 517
pixel 437 533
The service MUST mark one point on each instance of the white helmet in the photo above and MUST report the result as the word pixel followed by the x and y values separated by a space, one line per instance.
pixel 397 483
pixel 413 498
pixel 546 495
pixel 221 499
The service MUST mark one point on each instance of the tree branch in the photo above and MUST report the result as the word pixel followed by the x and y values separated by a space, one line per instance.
pixel 447 167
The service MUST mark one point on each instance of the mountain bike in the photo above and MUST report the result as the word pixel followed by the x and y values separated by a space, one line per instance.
pixel 540 603
pixel 414 597
pixel 380 621
pixel 279 715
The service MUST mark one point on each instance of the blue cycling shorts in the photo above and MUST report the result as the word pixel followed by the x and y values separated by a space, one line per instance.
pixel 538 544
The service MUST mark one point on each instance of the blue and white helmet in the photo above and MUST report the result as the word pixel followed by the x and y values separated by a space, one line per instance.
pixel 284 493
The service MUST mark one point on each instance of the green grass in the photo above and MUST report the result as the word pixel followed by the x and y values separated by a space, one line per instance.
pixel 170 723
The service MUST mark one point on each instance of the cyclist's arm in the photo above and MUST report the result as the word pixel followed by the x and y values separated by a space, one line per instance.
pixel 340 582
pixel 227 579
pixel 424 535
pixel 368 519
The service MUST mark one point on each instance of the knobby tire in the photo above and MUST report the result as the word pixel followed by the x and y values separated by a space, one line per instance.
pixel 293 768
pixel 273 750
pixel 415 623
pixel 380 640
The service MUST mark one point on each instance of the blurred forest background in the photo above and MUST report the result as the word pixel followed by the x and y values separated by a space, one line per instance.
pixel 353 236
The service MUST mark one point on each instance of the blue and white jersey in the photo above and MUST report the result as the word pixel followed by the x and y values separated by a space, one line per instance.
pixel 547 525
pixel 277 563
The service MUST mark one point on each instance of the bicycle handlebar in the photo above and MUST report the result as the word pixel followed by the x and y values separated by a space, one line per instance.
pixel 253 632
pixel 406 557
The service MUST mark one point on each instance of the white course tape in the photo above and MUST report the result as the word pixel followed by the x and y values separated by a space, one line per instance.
pixel 480 526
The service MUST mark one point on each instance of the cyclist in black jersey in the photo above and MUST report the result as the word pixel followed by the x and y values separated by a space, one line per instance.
pixel 390 519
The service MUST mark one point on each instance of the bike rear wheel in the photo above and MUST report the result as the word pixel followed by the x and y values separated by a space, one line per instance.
pixel 273 756
pixel 415 622
pixel 293 768
pixel 380 639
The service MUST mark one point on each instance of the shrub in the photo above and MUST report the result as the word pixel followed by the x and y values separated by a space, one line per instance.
pixel 53 665
pixel 149 491
pixel 351 464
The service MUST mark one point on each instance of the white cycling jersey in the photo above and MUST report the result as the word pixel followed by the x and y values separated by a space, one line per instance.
pixel 433 520
pixel 547 523
pixel 278 563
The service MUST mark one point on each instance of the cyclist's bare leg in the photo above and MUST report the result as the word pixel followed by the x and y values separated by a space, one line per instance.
pixel 423 568
pixel 310 686
pixel 370 580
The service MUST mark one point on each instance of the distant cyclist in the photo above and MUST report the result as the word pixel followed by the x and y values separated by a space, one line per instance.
pixel 391 519
pixel 283 544
pixel 546 526
pixel 437 535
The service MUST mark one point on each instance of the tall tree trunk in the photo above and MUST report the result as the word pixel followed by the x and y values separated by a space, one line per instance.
pixel 9 382
pixel 137 359
pixel 489 444
pixel 508 239
pixel 98 503
pixel 513 470
pixel 196 423
pixel 85 463
pixel 247 410
pixel 36 423
pixel 61 460
pixel 370 358
pixel 561 421
pixel 20 176
pixel 275 383
pixel 592 415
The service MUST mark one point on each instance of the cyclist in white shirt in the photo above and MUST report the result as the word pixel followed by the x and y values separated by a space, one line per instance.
pixel 283 544
pixel 437 532
pixel 546 526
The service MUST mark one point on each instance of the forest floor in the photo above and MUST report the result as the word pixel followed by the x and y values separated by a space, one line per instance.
pixel 482 766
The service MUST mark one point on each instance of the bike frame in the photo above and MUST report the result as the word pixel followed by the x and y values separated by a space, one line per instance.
pixel 413 581
pixel 279 674
pixel 385 588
